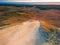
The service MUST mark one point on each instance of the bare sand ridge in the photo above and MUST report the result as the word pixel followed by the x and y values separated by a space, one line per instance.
pixel 21 34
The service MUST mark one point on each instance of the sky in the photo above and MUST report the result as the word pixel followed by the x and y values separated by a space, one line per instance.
pixel 31 0
pixel 56 2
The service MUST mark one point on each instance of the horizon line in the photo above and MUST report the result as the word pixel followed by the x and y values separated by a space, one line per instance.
pixel 33 3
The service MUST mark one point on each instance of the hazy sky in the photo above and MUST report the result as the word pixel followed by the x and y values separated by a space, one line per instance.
pixel 32 0
pixel 56 2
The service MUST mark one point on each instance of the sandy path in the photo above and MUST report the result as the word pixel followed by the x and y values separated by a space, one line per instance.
pixel 22 34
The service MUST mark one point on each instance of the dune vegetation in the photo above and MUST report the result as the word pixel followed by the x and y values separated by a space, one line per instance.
pixel 12 15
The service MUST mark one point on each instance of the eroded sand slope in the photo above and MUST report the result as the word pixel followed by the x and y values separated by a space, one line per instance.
pixel 22 34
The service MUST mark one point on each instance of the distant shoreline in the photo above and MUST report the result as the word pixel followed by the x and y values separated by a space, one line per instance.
pixel 31 3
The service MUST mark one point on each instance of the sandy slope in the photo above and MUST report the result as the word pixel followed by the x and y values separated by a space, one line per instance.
pixel 22 34
pixel 27 33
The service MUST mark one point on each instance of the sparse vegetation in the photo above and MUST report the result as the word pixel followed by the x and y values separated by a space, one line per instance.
pixel 53 37
pixel 26 12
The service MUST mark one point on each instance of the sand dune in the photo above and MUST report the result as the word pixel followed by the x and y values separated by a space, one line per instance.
pixel 22 34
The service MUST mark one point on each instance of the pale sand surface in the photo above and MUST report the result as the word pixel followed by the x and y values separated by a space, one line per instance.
pixel 21 34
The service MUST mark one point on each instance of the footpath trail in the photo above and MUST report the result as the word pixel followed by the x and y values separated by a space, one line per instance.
pixel 21 34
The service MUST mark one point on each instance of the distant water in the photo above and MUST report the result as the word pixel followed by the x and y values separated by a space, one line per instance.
pixel 27 3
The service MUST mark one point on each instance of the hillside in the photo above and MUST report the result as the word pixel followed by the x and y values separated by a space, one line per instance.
pixel 12 15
